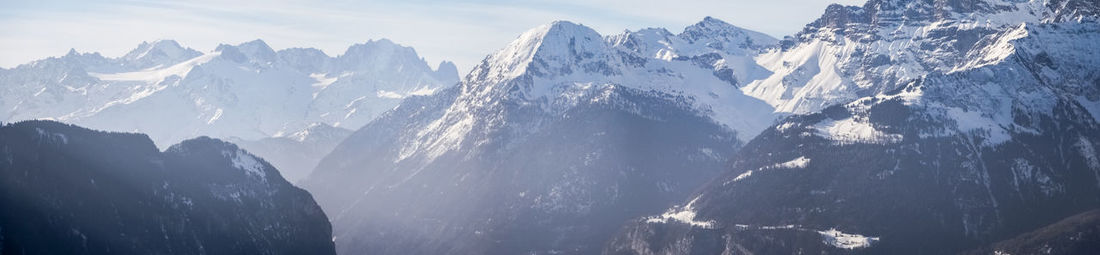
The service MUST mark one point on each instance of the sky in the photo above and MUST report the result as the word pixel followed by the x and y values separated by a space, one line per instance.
pixel 460 31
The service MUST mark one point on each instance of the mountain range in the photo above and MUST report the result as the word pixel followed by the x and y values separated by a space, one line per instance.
pixel 549 144
pixel 244 92
pixel 897 127
pixel 959 123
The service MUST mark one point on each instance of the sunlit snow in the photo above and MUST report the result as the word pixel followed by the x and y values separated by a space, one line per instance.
pixel 684 215
pixel 846 241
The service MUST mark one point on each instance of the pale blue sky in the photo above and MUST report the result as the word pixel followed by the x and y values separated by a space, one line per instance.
pixel 460 31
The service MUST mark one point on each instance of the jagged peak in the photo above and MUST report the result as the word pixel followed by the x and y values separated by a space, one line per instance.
pixel 74 60
pixel 159 52
pixel 655 31
pixel 712 24
pixel 301 54
pixel 255 50
pixel 1066 10
pixel 641 33
pixel 447 72
pixel 892 13
pixel 145 47
pixel 376 47
pixel 304 51
pixel 379 50
pixel 446 66
pixel 838 16
pixel 711 28
pixel 378 54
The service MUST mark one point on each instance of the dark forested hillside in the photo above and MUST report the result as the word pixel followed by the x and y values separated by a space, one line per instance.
pixel 1078 234
pixel 69 190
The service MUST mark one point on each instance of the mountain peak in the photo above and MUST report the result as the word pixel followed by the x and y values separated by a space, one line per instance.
pixel 554 45
pixel 146 46
pixel 446 72
pixel 374 47
pixel 374 54
pixel 723 33
pixel 712 21
pixel 159 52
pixel 555 32
pixel 560 31
pixel 255 50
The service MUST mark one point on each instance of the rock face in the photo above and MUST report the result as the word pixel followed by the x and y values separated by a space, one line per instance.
pixel 547 146
pixel 953 124
pixel 70 190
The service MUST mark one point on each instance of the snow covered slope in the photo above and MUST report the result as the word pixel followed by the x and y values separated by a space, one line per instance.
pixel 248 91
pixel 931 126
pixel 853 52
pixel 548 145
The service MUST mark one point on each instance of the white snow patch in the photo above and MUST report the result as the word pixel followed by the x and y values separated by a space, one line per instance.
pixel 744 175
pixel 967 121
pixel 395 95
pixel 158 75
pixel 779 227
pixel 684 215
pixel 799 162
pixel 217 114
pixel 248 163
pixel 389 94
pixel 785 126
pixel 852 130
pixel 846 241
pixel 831 237
pixel 323 81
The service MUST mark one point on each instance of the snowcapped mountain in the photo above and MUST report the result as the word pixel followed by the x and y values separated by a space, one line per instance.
pixel 69 190
pixel 854 52
pixel 922 127
pixel 549 144
pixel 248 91
pixel 549 66
pixel 156 55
